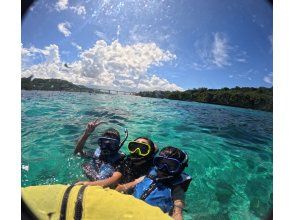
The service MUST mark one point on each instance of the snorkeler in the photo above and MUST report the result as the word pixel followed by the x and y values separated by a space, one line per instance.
pixel 137 164
pixel 166 184
pixel 107 158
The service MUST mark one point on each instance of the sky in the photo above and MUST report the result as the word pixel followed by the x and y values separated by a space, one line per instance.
pixel 137 45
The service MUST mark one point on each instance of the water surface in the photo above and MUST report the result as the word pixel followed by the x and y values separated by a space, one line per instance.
pixel 230 149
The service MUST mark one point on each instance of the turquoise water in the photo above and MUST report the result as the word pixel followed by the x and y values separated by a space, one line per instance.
pixel 230 149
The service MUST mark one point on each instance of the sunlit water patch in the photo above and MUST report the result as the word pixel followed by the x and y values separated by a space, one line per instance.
pixel 230 149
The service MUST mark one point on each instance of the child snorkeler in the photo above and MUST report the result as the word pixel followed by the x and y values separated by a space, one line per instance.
pixel 107 158
pixel 166 184
pixel 137 164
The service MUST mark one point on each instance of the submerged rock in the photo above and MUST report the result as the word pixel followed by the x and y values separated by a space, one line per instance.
pixel 224 192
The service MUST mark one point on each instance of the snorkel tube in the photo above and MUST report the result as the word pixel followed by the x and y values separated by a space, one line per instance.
pixel 126 137
pixel 185 161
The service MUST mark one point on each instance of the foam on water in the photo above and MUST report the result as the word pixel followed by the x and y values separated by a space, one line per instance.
pixel 230 149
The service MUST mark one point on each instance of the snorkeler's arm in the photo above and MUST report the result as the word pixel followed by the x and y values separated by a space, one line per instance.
pixel 125 187
pixel 178 196
pixel 90 128
pixel 111 181
pixel 81 144
pixel 178 210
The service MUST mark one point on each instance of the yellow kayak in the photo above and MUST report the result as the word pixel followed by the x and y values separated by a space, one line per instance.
pixel 84 202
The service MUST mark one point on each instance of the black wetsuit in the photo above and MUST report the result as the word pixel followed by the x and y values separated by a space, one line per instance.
pixel 132 169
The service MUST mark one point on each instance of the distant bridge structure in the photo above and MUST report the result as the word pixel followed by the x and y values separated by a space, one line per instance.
pixel 112 91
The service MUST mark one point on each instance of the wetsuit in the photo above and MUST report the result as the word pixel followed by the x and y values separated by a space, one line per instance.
pixel 132 168
pixel 101 167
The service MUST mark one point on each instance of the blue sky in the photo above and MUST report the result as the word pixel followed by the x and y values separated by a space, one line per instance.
pixel 147 45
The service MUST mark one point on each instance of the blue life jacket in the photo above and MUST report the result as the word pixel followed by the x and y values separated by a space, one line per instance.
pixel 98 169
pixel 159 193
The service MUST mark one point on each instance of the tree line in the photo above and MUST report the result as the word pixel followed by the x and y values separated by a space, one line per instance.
pixel 245 97
pixel 52 85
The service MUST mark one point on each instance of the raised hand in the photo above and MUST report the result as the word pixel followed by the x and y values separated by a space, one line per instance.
pixel 92 125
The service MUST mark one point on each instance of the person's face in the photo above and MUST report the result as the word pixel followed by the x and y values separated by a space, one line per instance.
pixel 162 174
pixel 141 141
pixel 167 166
pixel 108 146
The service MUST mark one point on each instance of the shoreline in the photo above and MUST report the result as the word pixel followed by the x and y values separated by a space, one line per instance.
pixel 209 103
pixel 39 90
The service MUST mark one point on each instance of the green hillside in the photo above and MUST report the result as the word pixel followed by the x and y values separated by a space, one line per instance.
pixel 247 97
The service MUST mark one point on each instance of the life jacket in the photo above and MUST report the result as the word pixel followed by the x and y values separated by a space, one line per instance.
pixel 98 169
pixel 83 202
pixel 158 193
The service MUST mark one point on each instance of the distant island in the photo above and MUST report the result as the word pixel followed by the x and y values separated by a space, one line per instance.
pixel 31 83
pixel 52 85
pixel 246 97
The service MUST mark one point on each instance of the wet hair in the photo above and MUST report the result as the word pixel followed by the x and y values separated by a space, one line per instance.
pixel 173 152
pixel 150 142
pixel 111 133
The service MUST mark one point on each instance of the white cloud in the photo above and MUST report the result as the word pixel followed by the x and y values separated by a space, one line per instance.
pixel 215 51
pixel 138 34
pixel 80 10
pixel 61 5
pixel 268 78
pixel 147 33
pixel 118 31
pixel 220 51
pixel 26 57
pixel 64 28
pixel 25 52
pixel 50 62
pixel 250 74
pixel 78 47
pixel 101 35
pixel 109 66
pixel 49 54
pixel 241 60
pixel 156 83
pixel 270 38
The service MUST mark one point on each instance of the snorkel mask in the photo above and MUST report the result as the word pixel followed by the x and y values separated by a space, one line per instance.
pixel 170 165
pixel 109 145
pixel 140 149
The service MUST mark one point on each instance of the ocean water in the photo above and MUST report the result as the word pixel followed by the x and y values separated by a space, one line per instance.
pixel 230 149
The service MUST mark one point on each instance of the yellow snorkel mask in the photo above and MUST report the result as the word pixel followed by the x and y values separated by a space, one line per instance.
pixel 140 149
